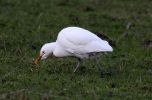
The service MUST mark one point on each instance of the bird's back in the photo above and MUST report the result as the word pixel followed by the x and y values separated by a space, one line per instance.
pixel 77 35
pixel 79 41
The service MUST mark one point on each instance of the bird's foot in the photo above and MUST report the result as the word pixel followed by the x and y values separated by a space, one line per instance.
pixel 74 70
pixel 78 64
pixel 104 72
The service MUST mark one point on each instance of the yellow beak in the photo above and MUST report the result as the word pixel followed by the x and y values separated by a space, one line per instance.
pixel 37 60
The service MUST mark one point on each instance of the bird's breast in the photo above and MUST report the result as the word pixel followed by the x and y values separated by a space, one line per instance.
pixel 60 52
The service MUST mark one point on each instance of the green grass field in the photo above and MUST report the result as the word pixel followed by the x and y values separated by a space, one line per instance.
pixel 25 25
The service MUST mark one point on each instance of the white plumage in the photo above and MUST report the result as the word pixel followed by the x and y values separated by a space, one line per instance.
pixel 74 41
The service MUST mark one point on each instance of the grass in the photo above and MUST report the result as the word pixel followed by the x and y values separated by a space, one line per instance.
pixel 26 25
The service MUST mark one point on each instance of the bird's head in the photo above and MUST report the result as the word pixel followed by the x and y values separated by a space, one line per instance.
pixel 46 50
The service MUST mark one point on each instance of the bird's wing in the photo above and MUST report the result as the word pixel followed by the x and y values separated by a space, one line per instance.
pixel 77 36
pixel 80 41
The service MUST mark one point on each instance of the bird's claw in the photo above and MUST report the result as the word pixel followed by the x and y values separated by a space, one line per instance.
pixel 103 72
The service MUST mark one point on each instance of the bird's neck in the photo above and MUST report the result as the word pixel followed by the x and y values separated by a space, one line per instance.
pixel 51 46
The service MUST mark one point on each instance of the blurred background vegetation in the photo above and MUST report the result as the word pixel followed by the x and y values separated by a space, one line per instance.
pixel 25 25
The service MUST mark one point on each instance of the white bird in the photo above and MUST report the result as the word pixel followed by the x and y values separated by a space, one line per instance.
pixel 76 42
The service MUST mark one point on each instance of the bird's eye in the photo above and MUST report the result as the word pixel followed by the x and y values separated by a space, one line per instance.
pixel 43 52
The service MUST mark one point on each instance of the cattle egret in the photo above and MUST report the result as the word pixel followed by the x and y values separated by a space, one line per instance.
pixel 76 42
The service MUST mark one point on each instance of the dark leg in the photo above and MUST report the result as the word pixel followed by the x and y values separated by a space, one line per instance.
pixel 79 61
pixel 101 68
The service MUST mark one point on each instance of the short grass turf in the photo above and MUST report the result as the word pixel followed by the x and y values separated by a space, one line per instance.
pixel 25 25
